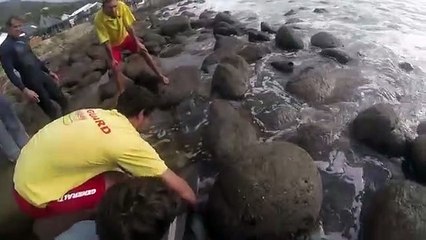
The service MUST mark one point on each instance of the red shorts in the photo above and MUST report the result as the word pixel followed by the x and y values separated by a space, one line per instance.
pixel 86 196
pixel 129 43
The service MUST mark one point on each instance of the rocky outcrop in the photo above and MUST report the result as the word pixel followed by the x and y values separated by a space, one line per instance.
pixel 287 39
pixel 256 36
pixel 336 54
pixel 154 38
pixel 325 40
pixel 184 82
pixel 231 78
pixel 270 191
pixel 172 51
pixel 138 70
pixel 283 66
pixel 265 27
pixel 226 128
pixel 396 212
pixel 378 128
pixel 175 25
pixel 225 17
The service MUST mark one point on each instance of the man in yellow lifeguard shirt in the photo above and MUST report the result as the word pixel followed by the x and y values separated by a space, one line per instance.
pixel 68 165
pixel 113 25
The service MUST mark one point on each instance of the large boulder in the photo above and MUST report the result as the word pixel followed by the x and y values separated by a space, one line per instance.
pixel 230 44
pixel 256 36
pixel 313 84
pixel 265 27
pixel 153 48
pixel 207 14
pixel 270 191
pixel 287 39
pixel 78 56
pixel 202 23
pixel 184 82
pixel 138 70
pixel 99 65
pixel 97 52
pixel 378 128
pixel 325 40
pixel 225 17
pixel 226 29
pixel 154 38
pixel 336 54
pixel 283 66
pixel 418 155
pixel 226 130
pixel 396 212
pixel 175 25
pixel 231 78
pixel 252 52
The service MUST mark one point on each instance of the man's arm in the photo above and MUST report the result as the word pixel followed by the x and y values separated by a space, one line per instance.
pixel 180 186
pixel 7 63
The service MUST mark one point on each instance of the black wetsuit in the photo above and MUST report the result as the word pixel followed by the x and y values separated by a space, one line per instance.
pixel 16 54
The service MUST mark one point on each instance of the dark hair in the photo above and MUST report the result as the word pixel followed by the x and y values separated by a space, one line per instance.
pixel 11 18
pixel 138 208
pixel 135 99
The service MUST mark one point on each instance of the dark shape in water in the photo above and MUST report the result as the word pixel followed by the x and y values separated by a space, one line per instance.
pixel 336 54
pixel 283 66
pixel 256 36
pixel 265 27
pixel 289 13
pixel 293 20
pixel 287 39
pixel 325 40
pixel 406 66
pixel 320 10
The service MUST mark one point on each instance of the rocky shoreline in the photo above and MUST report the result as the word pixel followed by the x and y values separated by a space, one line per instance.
pixel 266 187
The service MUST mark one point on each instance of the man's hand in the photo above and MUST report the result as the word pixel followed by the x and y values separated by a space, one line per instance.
pixel 180 186
pixel 31 95
pixel 55 77
pixel 165 79
pixel 114 65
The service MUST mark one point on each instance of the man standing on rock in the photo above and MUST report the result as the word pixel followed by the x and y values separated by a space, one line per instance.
pixel 113 25
pixel 36 81
pixel 79 156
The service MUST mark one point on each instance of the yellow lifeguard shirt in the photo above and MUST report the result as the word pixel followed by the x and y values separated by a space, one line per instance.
pixel 114 30
pixel 72 149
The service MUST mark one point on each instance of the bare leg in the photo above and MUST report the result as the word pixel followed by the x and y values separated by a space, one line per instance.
pixel 119 80
pixel 151 64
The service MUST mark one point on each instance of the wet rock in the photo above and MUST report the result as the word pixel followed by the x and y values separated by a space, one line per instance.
pixel 279 118
pixel 172 51
pixel 256 36
pixel 320 10
pixel 265 27
pixel 312 85
pixel 406 66
pixel 184 81
pixel 315 138
pixel 283 66
pixel 418 155
pixel 179 39
pixel 175 25
pixel 99 65
pixel 325 40
pixel 207 14
pixel 293 20
pixel 166 14
pixel 378 127
pixel 229 43
pixel 204 37
pixel 226 29
pixel 153 48
pixel 231 78
pixel 138 70
pixel 287 39
pixel 289 13
pixel 202 23
pixel 396 212
pixel 97 52
pixel 78 57
pixel 183 9
pixel 75 74
pixel 421 128
pixel 336 54
pixel 225 17
pixel 91 78
pixel 154 38
pixel 155 21
pixel 270 191
pixel 227 126
pixel 252 53
pixel 188 14
pixel 108 90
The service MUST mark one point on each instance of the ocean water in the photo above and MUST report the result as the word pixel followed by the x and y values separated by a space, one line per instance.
pixel 379 35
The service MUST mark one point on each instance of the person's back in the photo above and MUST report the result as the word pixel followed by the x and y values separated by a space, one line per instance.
pixel 73 149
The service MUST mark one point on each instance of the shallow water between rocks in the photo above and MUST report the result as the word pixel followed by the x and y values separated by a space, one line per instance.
pixel 380 34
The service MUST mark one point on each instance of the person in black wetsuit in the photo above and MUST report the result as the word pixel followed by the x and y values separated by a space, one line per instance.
pixel 36 81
